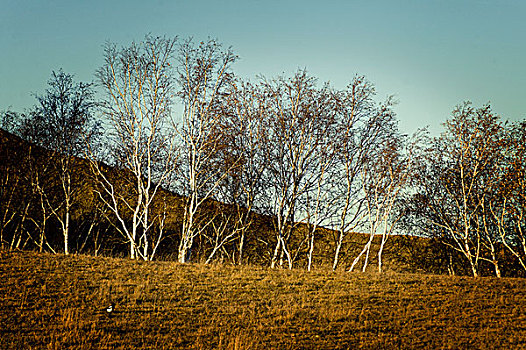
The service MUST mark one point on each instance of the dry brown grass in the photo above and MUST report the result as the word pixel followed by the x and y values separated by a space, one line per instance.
pixel 57 302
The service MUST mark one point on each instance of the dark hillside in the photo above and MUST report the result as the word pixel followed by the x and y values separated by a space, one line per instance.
pixel 24 166
pixel 58 302
pixel 93 228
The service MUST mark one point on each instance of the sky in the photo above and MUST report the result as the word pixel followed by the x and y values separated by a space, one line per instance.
pixel 429 54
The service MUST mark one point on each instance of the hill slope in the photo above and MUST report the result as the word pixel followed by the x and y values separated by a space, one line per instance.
pixel 27 222
pixel 57 302
pixel 21 217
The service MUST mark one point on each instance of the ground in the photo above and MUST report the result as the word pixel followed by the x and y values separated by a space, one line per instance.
pixel 57 302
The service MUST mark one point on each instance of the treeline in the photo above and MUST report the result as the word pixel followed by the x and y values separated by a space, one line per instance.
pixel 182 158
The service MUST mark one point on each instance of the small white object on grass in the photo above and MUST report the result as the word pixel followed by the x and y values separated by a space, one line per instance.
pixel 110 308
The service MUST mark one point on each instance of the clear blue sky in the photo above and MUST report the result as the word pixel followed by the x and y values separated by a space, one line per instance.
pixel 430 54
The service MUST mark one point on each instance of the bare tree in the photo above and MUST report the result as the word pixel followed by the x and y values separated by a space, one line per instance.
pixel 374 173
pixel 507 204
pixel 61 122
pixel 9 189
pixel 317 203
pixel 139 88
pixel 244 139
pixel 455 184
pixel 357 136
pixel 204 76
pixel 299 125
pixel 384 178
pixel 220 230
pixel 19 202
pixel 11 184
pixel 10 121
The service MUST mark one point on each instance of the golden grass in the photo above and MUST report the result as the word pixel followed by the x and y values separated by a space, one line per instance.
pixel 57 302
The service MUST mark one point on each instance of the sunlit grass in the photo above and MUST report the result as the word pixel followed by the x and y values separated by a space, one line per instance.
pixel 57 302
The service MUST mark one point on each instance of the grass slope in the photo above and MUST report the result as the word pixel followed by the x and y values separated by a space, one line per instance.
pixel 57 302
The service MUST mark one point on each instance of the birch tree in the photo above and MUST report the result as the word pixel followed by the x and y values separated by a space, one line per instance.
pixel 245 138
pixel 356 138
pixel 62 122
pixel 203 74
pixel 139 91
pixel 298 125
pixel 385 177
pixel 317 201
pixel 11 181
pixel 508 205
pixel 454 187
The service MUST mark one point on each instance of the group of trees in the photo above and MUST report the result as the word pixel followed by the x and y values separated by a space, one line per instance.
pixel 37 188
pixel 470 188
pixel 180 153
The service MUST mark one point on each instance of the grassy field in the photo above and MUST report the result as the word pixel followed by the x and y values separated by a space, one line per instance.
pixel 58 302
